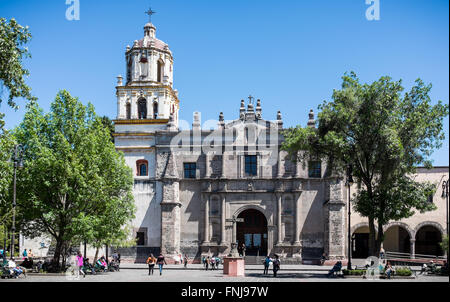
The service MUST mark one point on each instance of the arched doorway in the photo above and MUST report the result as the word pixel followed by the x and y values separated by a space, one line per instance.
pixel 252 232
pixel 360 242
pixel 428 238
pixel 397 239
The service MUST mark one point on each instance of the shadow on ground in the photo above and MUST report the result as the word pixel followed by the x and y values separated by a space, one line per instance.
pixel 291 275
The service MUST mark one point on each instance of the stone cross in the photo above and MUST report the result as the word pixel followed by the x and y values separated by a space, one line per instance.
pixel 150 13
pixel 234 252
pixel 250 98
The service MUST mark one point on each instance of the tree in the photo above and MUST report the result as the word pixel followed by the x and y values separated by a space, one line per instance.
pixel 444 244
pixel 12 75
pixel 384 136
pixel 73 178
pixel 107 123
pixel 6 177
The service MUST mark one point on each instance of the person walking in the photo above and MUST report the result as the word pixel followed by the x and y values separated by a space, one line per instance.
pixel 80 263
pixel 207 263
pixel 276 265
pixel 185 260
pixel 151 260
pixel 161 261
pixel 24 254
pixel 267 264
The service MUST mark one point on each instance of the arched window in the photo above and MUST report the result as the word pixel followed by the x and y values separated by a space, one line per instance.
pixel 160 71
pixel 142 109
pixel 155 110
pixel 128 111
pixel 142 167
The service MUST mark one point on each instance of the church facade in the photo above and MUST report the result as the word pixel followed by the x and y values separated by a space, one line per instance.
pixel 196 191
pixel 190 186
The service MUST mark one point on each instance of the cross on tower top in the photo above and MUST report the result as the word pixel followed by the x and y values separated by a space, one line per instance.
pixel 150 12
pixel 250 98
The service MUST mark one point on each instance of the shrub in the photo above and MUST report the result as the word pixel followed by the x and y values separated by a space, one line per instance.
pixel 354 272
pixel 403 271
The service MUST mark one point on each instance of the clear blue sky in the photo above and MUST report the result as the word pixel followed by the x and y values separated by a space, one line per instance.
pixel 290 54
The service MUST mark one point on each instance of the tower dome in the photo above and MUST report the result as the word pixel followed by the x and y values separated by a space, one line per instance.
pixel 147 93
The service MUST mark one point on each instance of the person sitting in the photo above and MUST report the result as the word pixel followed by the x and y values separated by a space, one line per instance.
pixel 388 270
pixel 104 263
pixel 323 259
pixel 336 268
pixel 100 264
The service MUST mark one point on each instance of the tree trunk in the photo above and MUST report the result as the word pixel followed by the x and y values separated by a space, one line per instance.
pixel 372 238
pixel 379 239
pixel 58 250
pixel 96 254
pixel 64 256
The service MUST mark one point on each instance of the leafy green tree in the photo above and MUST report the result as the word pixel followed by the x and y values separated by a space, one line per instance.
pixel 73 178
pixel 12 75
pixel 6 177
pixel 107 123
pixel 384 136
pixel 444 244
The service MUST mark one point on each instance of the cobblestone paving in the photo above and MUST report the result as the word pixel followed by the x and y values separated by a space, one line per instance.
pixel 180 275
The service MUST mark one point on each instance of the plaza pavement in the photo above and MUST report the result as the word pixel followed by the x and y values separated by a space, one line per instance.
pixel 196 273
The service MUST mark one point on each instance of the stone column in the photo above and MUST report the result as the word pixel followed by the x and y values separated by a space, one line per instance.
pixel 278 195
pixel 233 237
pixel 223 216
pixel 207 166
pixel 170 218
pixel 297 220
pixel 280 170
pixel 222 173
pixel 335 228
pixel 412 248
pixel 206 231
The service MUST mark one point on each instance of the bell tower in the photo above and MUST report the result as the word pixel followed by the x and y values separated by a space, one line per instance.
pixel 146 95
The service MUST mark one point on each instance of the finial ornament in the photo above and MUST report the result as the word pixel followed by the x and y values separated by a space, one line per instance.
pixel 150 12
pixel 250 99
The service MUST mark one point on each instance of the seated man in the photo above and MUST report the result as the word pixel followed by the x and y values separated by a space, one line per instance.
pixel 336 268
pixel 323 259
pixel 388 270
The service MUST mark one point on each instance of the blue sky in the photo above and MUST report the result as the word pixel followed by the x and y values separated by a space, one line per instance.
pixel 290 54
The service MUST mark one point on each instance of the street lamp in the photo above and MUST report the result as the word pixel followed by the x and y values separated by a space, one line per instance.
pixel 349 183
pixel 445 194
pixel 18 163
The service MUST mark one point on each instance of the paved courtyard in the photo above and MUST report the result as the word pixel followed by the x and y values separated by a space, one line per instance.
pixel 194 273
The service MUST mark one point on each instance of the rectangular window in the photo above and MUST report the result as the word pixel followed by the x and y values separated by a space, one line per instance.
pixel 315 169
pixel 430 198
pixel 251 165
pixel 140 236
pixel 190 170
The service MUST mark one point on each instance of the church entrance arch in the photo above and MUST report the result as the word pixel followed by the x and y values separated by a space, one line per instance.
pixel 252 232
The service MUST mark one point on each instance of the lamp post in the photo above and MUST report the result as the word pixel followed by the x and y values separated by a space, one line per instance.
pixel 445 194
pixel 18 163
pixel 349 183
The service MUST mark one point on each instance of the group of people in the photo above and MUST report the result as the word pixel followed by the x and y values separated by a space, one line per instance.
pixel 275 264
pixel 12 268
pixel 102 264
pixel 26 255
pixel 160 261
pixel 212 262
